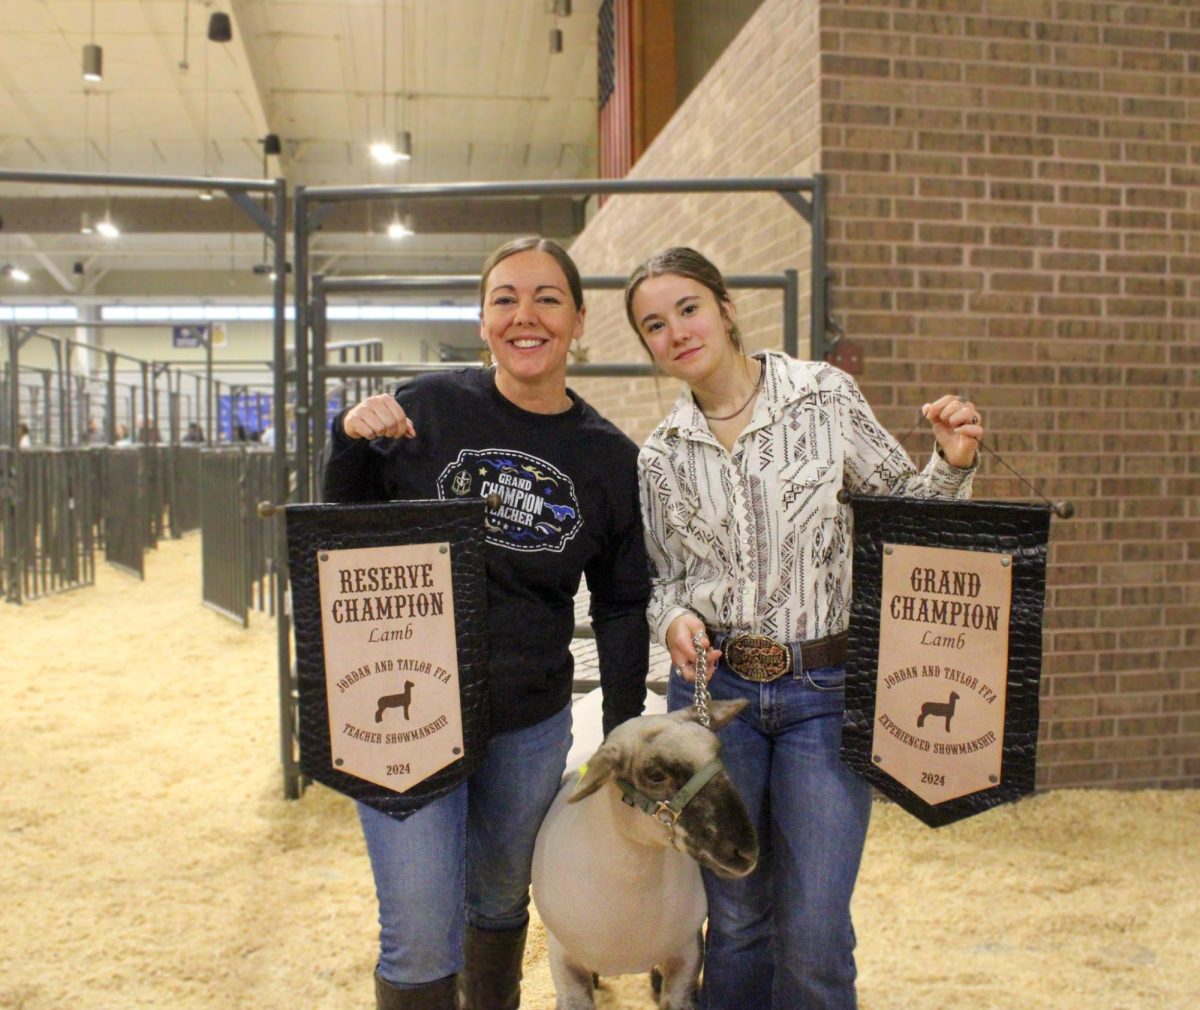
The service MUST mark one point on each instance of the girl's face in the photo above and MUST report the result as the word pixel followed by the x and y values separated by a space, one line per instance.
pixel 684 326
pixel 529 319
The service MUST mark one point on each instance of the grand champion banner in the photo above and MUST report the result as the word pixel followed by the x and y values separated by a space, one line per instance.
pixel 944 661
pixel 389 606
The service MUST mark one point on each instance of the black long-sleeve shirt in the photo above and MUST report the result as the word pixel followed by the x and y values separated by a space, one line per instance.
pixel 567 486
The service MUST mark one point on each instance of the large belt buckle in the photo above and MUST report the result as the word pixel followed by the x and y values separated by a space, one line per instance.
pixel 756 657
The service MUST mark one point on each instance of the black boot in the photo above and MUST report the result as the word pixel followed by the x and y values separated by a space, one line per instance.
pixel 491 976
pixel 437 995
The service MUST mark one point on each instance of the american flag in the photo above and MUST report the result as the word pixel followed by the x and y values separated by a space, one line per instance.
pixel 616 89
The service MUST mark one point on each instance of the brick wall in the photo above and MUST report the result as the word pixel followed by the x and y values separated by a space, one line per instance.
pixel 1014 214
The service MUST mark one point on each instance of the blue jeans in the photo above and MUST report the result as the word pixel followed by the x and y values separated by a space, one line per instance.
pixel 781 938
pixel 465 857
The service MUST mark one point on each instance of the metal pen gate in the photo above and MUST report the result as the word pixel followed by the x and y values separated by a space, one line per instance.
pixel 223 534
pixel 311 206
pixel 125 510
pixel 46 535
pixel 236 545
pixel 38 549
pixel 184 489
pixel 261 570
pixel 154 462
pixel 10 557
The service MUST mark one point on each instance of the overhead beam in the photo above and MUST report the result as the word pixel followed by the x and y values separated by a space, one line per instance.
pixel 64 281
pixel 558 216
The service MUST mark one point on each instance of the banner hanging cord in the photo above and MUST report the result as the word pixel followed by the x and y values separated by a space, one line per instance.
pixel 1062 509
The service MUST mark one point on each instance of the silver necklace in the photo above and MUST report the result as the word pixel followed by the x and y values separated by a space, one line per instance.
pixel 727 417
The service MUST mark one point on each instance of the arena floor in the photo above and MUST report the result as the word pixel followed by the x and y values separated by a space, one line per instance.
pixel 147 859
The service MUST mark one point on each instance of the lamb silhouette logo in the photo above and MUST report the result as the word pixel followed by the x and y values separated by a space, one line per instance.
pixel 401 700
pixel 938 708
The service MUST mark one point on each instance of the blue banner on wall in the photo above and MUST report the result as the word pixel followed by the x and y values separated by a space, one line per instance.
pixel 188 336
pixel 243 418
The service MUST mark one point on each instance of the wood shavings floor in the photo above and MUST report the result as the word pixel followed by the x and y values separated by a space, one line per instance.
pixel 148 860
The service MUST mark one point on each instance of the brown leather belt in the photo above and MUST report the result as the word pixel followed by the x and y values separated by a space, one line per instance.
pixel 761 659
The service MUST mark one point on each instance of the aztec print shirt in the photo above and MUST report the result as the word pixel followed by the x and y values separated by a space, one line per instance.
pixel 755 540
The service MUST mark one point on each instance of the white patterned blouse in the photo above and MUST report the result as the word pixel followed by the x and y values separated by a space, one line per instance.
pixel 755 540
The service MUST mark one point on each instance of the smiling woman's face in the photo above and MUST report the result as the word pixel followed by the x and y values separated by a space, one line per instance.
pixel 683 326
pixel 529 319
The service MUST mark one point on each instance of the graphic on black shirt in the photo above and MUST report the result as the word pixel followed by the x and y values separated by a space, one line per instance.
pixel 538 508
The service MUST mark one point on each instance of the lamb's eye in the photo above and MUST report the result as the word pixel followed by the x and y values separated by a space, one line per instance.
pixel 655 776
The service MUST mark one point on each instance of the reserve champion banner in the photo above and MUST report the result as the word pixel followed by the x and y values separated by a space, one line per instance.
pixel 389 607
pixel 944 660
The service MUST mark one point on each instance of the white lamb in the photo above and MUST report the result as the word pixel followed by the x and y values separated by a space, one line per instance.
pixel 620 891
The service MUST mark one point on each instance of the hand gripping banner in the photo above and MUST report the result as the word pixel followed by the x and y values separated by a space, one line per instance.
pixel 389 610
pixel 945 652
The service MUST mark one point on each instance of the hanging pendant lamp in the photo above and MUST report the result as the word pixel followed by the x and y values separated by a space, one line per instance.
pixel 220 27
pixel 93 55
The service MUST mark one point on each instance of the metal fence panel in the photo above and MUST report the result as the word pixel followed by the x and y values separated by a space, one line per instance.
pixel 238 550
pixel 155 487
pixel 125 510
pixel 95 464
pixel 183 495
pixel 74 548
pixel 260 534
pixel 225 586
pixel 10 561
pixel 46 539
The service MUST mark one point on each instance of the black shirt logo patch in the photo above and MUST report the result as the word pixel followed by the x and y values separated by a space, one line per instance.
pixel 538 508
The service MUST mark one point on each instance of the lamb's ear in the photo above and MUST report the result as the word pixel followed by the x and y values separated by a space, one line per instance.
pixel 600 767
pixel 722 713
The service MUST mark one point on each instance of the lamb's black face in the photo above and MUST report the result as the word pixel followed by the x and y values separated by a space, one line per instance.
pixel 714 827
pixel 717 830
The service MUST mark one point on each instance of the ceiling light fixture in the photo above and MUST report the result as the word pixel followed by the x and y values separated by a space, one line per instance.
pixel 85 219
pixel 93 62
pixel 399 148
pixel 403 145
pixel 14 273
pixel 220 27
pixel 389 153
pixel 218 31
pixel 183 63
pixel 271 145
pixel 397 229
pixel 107 227
pixel 93 55
pixel 404 140
pixel 382 150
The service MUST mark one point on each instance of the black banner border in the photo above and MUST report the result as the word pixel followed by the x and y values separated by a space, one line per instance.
pixel 1019 529
pixel 386 524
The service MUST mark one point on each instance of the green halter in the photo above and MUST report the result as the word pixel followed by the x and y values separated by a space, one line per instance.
pixel 667 812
